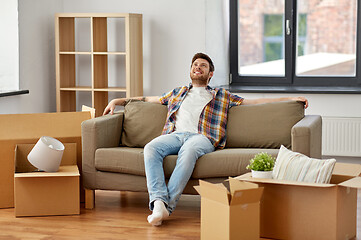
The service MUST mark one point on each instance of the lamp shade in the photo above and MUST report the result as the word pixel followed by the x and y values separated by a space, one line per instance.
pixel 46 154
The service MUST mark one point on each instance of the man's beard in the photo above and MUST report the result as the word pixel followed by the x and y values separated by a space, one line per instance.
pixel 202 78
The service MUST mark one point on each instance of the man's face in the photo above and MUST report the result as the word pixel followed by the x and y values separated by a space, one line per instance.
pixel 200 70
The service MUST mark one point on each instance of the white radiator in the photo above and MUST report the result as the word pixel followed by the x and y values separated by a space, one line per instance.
pixel 341 136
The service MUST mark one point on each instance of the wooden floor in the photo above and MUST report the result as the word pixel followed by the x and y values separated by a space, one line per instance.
pixel 118 215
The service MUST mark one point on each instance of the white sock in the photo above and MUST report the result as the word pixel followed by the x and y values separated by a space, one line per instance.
pixel 160 213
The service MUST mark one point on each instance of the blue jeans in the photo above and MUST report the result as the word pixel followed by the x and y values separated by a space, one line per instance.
pixel 189 147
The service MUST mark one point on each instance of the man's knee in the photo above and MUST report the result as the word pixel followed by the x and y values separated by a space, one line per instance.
pixel 198 148
pixel 153 149
pixel 149 150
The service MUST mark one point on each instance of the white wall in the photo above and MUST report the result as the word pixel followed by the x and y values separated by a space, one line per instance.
pixel 172 32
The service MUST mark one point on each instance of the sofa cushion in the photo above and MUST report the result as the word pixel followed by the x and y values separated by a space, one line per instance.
pixel 263 125
pixel 143 121
pixel 226 162
pixel 221 163
pixel 120 160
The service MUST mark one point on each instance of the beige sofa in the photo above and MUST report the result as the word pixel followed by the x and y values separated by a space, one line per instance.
pixel 112 145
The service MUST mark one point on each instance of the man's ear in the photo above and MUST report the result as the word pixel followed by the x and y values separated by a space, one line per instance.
pixel 210 75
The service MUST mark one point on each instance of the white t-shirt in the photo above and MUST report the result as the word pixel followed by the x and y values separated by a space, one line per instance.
pixel 187 117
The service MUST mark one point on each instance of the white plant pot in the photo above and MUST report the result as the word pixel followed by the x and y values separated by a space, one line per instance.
pixel 261 174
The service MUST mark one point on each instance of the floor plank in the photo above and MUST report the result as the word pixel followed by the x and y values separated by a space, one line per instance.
pixel 117 215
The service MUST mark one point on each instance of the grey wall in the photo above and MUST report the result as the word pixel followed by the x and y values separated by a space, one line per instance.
pixel 172 32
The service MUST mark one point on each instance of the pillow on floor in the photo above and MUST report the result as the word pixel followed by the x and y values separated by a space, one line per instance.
pixel 298 167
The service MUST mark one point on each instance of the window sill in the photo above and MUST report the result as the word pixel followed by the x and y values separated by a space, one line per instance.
pixel 293 89
pixel 6 93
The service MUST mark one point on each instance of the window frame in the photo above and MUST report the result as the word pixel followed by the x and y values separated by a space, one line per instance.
pixel 291 81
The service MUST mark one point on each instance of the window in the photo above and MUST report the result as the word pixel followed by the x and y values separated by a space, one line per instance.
pixel 295 43
pixel 9 47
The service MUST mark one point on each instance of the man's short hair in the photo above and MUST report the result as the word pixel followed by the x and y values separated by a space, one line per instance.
pixel 205 57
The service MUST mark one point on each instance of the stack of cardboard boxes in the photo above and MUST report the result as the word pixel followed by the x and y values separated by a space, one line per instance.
pixel 19 130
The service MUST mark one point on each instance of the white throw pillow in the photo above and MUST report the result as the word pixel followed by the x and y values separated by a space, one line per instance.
pixel 298 167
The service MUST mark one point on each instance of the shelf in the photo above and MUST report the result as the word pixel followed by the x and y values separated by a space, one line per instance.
pixel 95 53
pixel 78 88
pixel 89 89
pixel 99 56
pixel 111 89
pixel 109 53
pixel 90 15
pixel 75 53
pixel 5 93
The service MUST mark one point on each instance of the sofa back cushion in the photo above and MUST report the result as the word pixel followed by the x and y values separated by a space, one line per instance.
pixel 143 121
pixel 263 125
pixel 249 126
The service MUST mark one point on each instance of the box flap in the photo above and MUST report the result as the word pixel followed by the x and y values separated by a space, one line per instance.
pixel 347 169
pixel 21 163
pixel 64 171
pixel 85 108
pixel 247 196
pixel 352 183
pixel 198 189
pixel 235 184
pixel 248 177
pixel 214 192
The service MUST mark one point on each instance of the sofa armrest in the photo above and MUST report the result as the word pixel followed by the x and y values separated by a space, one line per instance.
pixel 306 136
pixel 100 132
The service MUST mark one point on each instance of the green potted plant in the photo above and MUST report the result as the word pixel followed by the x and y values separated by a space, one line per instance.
pixel 261 165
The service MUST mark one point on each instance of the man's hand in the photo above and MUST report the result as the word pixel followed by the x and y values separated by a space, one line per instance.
pixel 109 108
pixel 122 101
pixel 301 99
pixel 111 105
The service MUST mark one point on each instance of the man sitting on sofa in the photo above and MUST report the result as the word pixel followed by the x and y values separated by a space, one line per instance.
pixel 195 125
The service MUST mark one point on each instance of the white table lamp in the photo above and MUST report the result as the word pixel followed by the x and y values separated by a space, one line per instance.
pixel 46 154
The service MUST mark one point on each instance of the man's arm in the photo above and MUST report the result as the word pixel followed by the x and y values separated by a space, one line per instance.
pixel 122 101
pixel 269 100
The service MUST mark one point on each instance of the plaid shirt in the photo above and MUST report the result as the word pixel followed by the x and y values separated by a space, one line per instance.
pixel 213 119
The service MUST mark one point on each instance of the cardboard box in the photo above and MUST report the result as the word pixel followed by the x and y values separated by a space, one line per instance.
pixel 28 128
pixel 297 210
pixel 233 214
pixel 42 193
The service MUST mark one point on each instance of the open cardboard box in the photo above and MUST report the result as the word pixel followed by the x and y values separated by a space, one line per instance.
pixel 46 193
pixel 230 214
pixel 297 210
